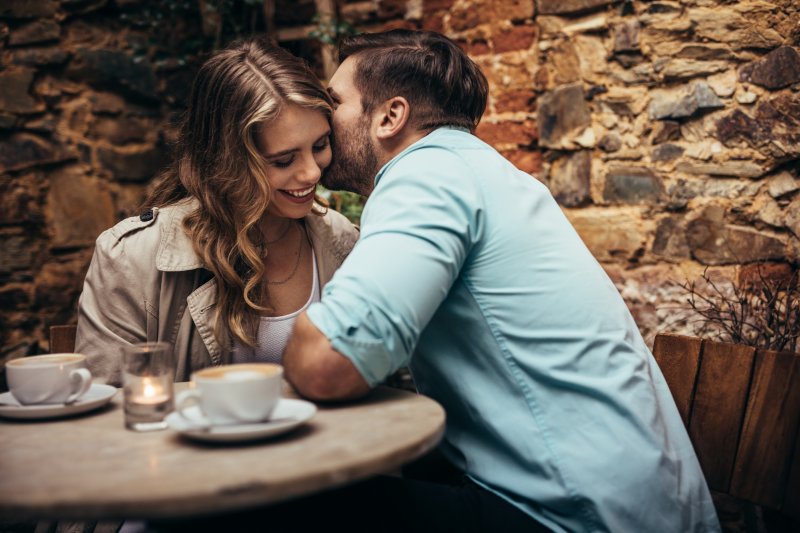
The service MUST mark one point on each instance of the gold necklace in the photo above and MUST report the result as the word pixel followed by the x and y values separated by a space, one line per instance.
pixel 296 264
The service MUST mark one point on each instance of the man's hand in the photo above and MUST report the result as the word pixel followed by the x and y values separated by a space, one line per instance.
pixel 316 370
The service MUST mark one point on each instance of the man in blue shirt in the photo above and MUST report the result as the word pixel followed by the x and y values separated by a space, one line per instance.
pixel 468 272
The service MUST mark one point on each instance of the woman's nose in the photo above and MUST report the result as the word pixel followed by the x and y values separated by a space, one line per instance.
pixel 312 171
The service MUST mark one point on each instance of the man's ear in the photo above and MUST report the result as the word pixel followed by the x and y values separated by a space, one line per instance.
pixel 392 117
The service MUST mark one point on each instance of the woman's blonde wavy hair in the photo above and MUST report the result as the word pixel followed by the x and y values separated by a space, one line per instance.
pixel 217 162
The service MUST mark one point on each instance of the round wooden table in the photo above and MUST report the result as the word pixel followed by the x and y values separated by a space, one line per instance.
pixel 91 467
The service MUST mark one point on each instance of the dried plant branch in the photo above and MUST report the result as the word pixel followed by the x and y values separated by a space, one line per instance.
pixel 764 313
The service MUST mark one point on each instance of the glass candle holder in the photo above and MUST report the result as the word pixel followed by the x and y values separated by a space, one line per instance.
pixel 148 370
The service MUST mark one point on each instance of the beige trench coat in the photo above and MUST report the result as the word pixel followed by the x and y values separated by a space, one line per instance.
pixel 145 283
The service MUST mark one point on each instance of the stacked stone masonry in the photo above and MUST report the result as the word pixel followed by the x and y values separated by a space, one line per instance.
pixel 669 132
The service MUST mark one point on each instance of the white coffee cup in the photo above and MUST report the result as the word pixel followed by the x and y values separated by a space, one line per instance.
pixel 48 379
pixel 233 394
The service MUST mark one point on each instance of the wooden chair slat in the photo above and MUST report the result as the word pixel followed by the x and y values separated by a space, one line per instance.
pixel 718 408
pixel 62 339
pixel 679 358
pixel 791 503
pixel 770 428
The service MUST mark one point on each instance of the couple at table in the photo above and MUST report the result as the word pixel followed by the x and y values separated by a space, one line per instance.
pixel 465 270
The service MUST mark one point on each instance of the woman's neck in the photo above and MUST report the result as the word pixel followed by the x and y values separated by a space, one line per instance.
pixel 275 229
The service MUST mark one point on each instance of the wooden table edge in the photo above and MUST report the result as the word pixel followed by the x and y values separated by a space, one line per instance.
pixel 233 498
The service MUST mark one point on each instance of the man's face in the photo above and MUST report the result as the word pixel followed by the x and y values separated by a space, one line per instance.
pixel 355 159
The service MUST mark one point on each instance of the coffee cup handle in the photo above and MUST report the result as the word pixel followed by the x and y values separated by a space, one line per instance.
pixel 186 399
pixel 81 380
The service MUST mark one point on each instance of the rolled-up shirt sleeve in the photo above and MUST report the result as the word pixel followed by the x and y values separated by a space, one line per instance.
pixel 417 229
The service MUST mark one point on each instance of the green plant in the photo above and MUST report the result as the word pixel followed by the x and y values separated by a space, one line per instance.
pixel 329 29
pixel 347 203
pixel 761 310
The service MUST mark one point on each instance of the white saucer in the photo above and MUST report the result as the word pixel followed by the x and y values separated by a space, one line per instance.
pixel 97 395
pixel 288 414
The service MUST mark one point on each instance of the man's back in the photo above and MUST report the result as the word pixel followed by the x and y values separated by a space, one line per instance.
pixel 553 400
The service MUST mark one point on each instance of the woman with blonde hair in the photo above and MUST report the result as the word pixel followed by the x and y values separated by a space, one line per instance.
pixel 234 241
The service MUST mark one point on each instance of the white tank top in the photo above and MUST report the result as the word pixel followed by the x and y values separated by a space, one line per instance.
pixel 273 331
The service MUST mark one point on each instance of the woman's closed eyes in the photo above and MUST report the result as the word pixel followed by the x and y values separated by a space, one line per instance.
pixel 287 160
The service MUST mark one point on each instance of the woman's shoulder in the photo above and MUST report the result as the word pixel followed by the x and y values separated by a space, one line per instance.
pixel 141 235
pixel 333 229
pixel 339 223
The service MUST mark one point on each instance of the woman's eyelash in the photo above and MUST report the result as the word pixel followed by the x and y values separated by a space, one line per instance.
pixel 321 146
pixel 283 163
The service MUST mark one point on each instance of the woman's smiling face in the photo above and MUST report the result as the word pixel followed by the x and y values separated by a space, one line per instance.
pixel 296 146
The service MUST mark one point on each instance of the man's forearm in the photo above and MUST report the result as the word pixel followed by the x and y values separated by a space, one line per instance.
pixel 316 370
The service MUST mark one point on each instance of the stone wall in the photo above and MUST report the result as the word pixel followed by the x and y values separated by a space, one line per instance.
pixel 85 98
pixel 669 131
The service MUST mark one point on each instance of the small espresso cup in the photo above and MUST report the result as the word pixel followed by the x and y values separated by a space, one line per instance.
pixel 233 394
pixel 48 379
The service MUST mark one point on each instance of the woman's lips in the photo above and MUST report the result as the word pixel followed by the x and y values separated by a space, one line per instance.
pixel 299 196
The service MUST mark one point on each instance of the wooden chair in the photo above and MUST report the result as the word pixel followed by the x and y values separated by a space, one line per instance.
pixel 62 339
pixel 741 407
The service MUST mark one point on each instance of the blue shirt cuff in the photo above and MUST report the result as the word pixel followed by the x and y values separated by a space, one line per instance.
pixel 368 354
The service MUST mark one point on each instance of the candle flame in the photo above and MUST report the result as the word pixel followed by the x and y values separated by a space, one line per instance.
pixel 149 390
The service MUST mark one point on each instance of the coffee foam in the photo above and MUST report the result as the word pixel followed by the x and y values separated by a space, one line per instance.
pixel 242 375
pixel 241 372
pixel 42 360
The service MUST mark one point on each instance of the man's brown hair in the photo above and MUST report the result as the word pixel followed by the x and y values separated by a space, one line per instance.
pixel 443 86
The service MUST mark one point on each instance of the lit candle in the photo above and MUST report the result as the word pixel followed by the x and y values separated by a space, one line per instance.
pixel 152 392
pixel 148 370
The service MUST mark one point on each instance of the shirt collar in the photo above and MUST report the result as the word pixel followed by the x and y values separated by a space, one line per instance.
pixel 416 145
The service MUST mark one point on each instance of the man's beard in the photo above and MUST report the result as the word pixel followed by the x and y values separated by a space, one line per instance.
pixel 355 161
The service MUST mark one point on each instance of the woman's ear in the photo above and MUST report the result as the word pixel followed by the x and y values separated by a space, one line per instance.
pixel 392 117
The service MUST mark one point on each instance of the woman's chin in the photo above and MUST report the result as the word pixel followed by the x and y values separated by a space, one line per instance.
pixel 290 210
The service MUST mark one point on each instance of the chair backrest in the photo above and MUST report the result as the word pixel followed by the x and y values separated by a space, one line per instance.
pixel 741 407
pixel 62 339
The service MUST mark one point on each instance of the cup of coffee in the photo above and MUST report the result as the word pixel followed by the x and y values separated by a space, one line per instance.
pixel 48 379
pixel 233 394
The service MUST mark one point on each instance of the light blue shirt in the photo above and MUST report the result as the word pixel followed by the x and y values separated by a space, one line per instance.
pixel 468 272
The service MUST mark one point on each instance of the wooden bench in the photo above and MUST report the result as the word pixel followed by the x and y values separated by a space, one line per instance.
pixel 741 407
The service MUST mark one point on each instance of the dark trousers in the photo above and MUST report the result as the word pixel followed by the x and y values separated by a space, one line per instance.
pixel 442 501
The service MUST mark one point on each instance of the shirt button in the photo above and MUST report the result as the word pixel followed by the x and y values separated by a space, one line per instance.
pixel 146 216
